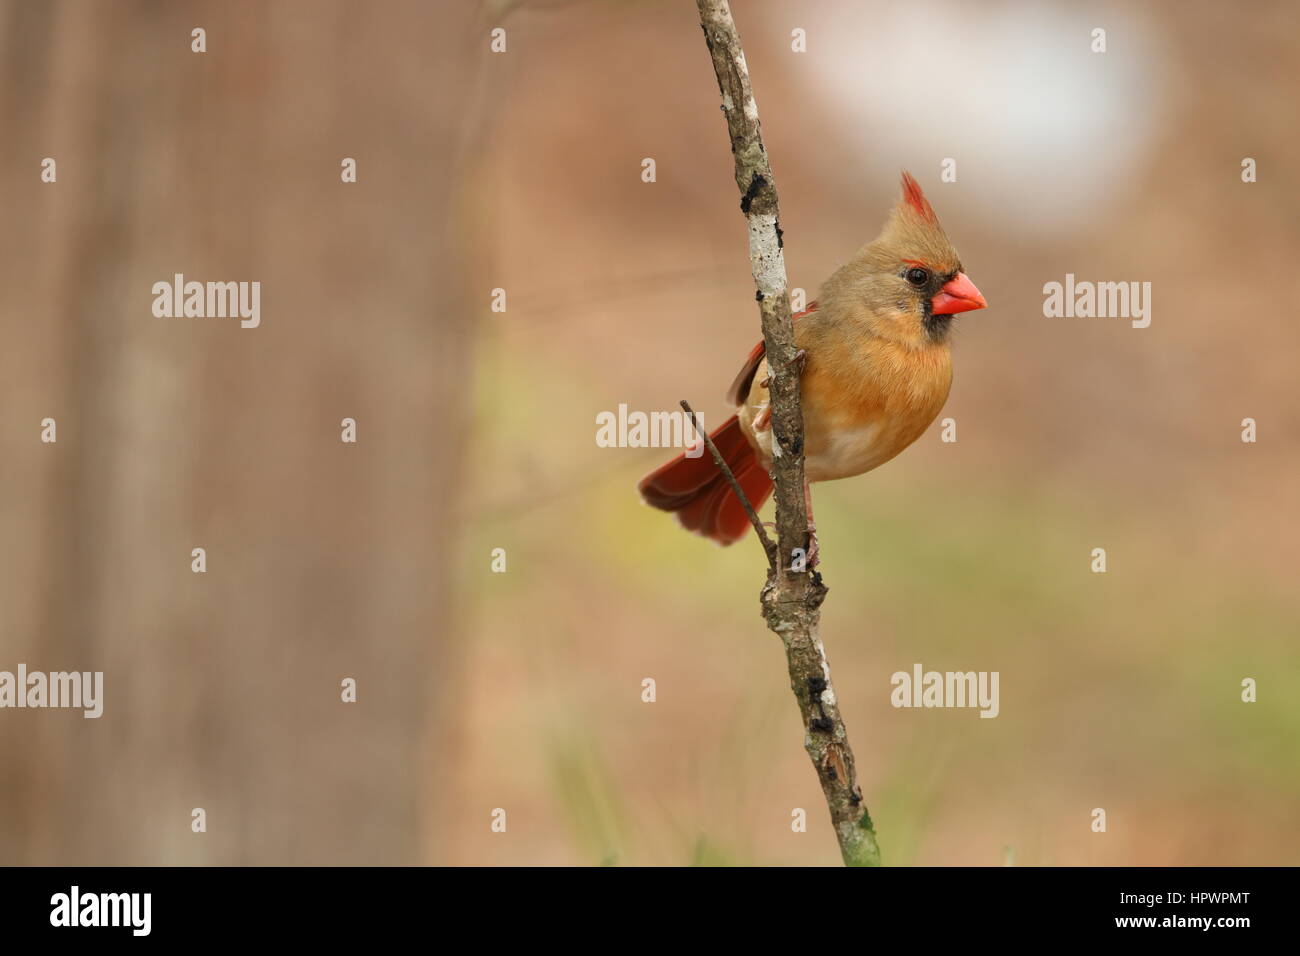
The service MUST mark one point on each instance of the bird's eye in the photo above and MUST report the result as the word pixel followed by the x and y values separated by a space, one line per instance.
pixel 917 277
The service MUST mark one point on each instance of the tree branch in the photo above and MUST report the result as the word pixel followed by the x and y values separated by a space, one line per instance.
pixel 791 599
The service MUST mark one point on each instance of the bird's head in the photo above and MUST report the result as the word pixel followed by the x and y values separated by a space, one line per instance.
pixel 907 283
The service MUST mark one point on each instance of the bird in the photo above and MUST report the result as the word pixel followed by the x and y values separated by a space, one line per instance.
pixel 874 356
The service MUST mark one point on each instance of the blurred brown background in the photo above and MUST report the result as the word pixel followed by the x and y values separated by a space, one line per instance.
pixel 521 170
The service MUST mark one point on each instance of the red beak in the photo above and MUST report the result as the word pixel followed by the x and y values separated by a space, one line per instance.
pixel 958 295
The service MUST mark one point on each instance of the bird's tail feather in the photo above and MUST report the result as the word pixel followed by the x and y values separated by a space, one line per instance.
pixel 698 493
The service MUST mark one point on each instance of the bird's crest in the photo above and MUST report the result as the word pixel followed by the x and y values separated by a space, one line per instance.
pixel 913 233
pixel 914 198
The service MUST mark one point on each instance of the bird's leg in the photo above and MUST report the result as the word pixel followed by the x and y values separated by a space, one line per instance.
pixel 812 528
pixel 810 558
pixel 763 420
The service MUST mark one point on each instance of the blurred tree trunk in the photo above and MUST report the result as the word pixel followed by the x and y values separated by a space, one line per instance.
pixel 325 560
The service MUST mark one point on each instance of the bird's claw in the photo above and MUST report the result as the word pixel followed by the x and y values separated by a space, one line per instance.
pixel 800 359
pixel 813 551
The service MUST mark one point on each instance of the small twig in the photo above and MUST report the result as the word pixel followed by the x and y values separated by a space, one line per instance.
pixel 791 599
pixel 768 544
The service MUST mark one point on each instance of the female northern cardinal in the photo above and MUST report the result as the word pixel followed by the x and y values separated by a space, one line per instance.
pixel 876 369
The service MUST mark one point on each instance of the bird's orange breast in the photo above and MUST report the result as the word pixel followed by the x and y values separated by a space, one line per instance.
pixel 859 415
pixel 862 406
